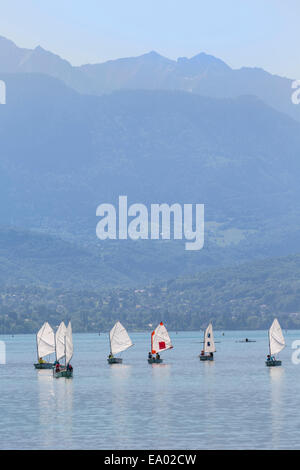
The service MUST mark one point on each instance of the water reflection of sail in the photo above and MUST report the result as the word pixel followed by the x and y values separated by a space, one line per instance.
pixel 208 387
pixel 276 383
pixel 55 411
pixel 161 403
pixel 120 385
pixel 46 405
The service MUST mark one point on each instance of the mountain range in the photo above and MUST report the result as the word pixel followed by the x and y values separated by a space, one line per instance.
pixel 64 153
pixel 156 130
pixel 202 74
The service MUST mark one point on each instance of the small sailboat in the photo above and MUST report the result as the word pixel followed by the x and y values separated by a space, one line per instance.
pixel 276 344
pixel 207 353
pixel 119 341
pixel 64 349
pixel 160 341
pixel 45 346
pixel 60 342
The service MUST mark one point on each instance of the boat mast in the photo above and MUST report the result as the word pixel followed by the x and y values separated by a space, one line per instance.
pixel 37 347
pixel 65 353
pixel 152 341
pixel 55 344
pixel 55 349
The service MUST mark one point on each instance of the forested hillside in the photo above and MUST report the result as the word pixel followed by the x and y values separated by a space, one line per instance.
pixel 247 296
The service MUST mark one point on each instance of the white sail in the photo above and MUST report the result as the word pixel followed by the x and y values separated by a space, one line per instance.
pixel 119 339
pixel 60 341
pixel 45 341
pixel 276 339
pixel 69 343
pixel 209 343
pixel 160 339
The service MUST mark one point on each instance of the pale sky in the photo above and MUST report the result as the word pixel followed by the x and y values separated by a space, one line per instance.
pixel 262 33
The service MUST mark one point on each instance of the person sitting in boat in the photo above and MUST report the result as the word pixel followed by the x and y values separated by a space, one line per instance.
pixel 41 361
pixel 150 355
pixel 69 367
pixel 211 354
pixel 202 353
pixel 57 366
pixel 110 356
pixel 157 356
pixel 268 357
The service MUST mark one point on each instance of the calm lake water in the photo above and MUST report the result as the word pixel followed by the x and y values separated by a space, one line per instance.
pixel 235 402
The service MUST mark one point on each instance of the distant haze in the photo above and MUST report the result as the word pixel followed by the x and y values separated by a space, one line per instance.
pixel 260 33
pixel 202 74
pixel 184 119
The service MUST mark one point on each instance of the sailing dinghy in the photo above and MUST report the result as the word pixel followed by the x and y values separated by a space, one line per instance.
pixel 160 341
pixel 45 346
pixel 119 341
pixel 64 350
pixel 276 344
pixel 207 354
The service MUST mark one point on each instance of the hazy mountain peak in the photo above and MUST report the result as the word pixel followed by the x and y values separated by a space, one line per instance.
pixel 6 41
pixel 202 74
pixel 203 60
pixel 208 58
pixel 153 55
pixel 39 49
pixel 8 47
pixel 43 61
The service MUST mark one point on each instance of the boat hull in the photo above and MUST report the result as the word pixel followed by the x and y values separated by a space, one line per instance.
pixel 273 363
pixel 206 358
pixel 115 360
pixel 45 365
pixel 63 373
pixel 155 361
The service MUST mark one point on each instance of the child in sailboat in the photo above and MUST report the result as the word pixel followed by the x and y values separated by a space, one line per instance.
pixel 270 358
pixel 149 355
